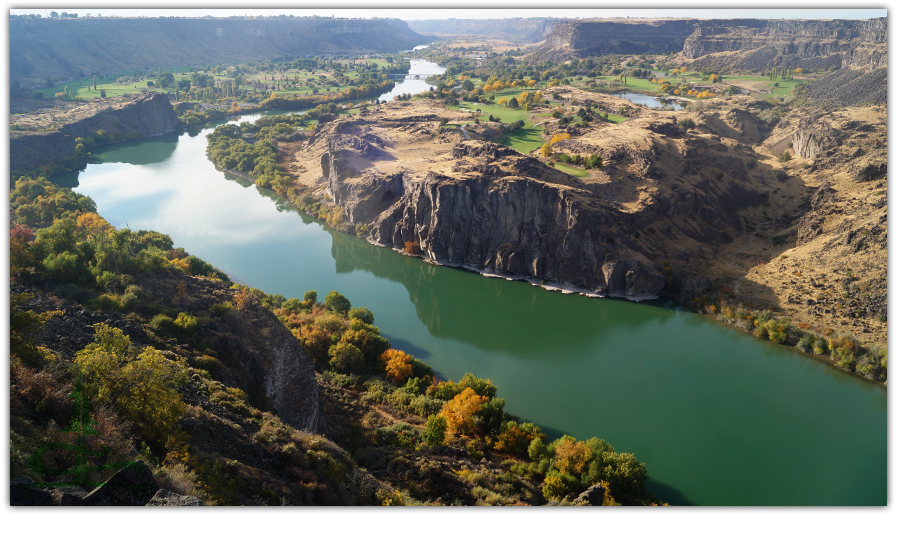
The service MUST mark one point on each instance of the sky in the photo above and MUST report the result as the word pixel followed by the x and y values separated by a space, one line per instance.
pixel 471 9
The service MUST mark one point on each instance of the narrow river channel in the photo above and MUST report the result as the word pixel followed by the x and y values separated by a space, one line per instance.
pixel 719 417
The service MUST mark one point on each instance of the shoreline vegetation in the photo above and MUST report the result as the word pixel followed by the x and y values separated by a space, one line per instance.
pixel 61 246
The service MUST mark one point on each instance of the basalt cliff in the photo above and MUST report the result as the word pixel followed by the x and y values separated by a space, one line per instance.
pixel 50 135
pixel 483 206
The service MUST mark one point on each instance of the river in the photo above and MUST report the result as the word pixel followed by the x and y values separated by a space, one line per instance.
pixel 719 417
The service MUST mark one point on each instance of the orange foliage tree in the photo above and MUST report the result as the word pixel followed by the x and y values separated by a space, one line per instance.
pixel 398 365
pixel 572 457
pixel 460 411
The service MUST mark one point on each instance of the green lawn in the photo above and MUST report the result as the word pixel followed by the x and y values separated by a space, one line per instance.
pixel 525 140
pixel 580 173
pixel 617 118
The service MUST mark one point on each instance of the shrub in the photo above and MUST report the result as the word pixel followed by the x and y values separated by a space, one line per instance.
pixel 220 310
pixel 363 314
pixel 686 124
pixel 163 325
pixel 345 358
pixel 337 303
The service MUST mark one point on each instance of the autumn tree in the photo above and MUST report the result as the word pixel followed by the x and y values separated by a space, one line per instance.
pixel 398 365
pixel 141 385
pixel 572 456
pixel 460 411
pixel 242 299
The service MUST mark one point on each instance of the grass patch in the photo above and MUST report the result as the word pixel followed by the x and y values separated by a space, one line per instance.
pixel 580 173
pixel 613 118
pixel 524 140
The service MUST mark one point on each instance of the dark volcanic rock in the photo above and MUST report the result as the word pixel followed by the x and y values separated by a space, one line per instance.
pixel 24 491
pixel 131 486
pixel 67 496
pixel 594 495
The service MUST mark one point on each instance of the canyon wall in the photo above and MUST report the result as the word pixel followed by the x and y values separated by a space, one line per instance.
pixel 45 48
pixel 50 136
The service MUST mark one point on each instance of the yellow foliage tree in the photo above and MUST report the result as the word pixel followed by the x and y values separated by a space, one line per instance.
pixel 523 97
pixel 460 411
pixel 572 457
pixel 537 97
pixel 502 101
pixel 531 83
pixel 142 386
pixel 90 224
pixel 546 150
pixel 552 83
pixel 559 137
pixel 398 365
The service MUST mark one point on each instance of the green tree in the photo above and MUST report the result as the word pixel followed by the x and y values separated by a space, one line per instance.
pixel 362 314
pixel 435 431
pixel 165 79
pixel 336 302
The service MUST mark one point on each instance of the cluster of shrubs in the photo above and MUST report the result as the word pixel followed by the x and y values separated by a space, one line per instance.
pixel 844 350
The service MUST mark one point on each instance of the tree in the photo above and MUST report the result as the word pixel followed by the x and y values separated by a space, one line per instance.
pixel 103 93
pixel 398 365
pixel 572 457
pixel 345 357
pixel 336 302
pixel 142 386
pixel 460 411
pixel 54 15
pixel 546 150
pixel 513 103
pixel 435 431
pixel 363 314
pixel 94 79
pixel 310 298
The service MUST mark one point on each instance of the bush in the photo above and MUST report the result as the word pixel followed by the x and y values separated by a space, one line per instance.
pixel 435 431
pixel 163 325
pixel 686 124
pixel 220 310
pixel 336 302
pixel 363 314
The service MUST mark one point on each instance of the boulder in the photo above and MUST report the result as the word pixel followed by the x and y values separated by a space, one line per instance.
pixel 131 486
pixel 592 496
pixel 24 491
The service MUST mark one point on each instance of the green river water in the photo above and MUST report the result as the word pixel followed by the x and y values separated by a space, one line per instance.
pixel 719 417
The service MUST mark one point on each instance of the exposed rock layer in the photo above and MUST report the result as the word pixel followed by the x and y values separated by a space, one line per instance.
pixel 140 117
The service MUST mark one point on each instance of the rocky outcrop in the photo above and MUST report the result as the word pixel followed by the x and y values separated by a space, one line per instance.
pixel 130 486
pixel 814 136
pixel 583 38
pixel 50 136
pixel 60 48
pixel 513 225
pixel 594 495
pixel 813 44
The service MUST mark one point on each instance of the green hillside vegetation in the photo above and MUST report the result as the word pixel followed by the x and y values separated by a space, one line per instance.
pixel 385 407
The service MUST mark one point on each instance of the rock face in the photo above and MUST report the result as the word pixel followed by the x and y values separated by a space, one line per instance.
pixel 814 44
pixel 594 495
pixel 42 48
pixel 140 117
pixel 513 226
pixel 130 486
pixel 593 37
pixel 814 137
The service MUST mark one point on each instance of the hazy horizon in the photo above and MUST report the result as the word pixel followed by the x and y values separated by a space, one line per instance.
pixel 409 14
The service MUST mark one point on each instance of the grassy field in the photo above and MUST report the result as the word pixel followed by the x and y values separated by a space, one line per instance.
pixel 524 140
pixel 580 173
